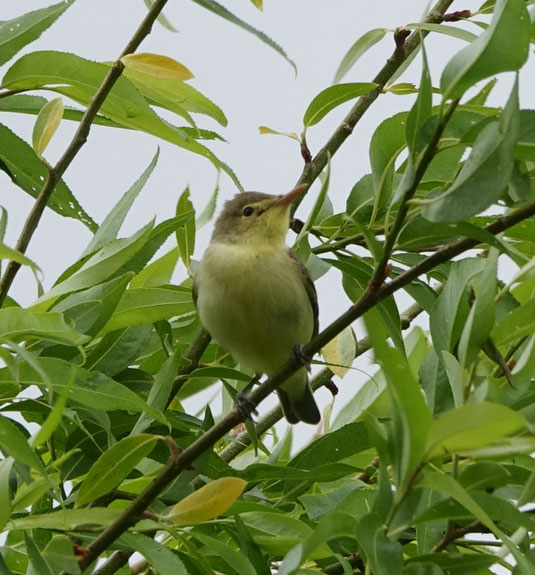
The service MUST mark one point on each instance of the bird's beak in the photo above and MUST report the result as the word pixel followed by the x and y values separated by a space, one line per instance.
pixel 288 198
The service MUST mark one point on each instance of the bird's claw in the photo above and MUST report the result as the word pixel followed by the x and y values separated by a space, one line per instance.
pixel 246 408
pixel 299 355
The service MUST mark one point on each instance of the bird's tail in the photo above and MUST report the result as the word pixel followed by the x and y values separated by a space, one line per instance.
pixel 299 406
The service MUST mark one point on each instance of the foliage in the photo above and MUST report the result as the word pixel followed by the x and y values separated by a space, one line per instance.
pixel 434 448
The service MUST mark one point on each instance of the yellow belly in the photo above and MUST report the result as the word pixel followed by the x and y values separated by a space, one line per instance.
pixel 253 304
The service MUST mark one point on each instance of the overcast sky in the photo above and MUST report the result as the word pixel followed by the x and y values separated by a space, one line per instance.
pixel 251 83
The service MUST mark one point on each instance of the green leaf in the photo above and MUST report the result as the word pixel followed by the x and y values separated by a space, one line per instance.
pixel 185 234
pixel 209 210
pixel 517 324
pixel 90 309
pixel 59 554
pixel 118 349
pixel 503 46
pixel 19 324
pixel 484 177
pixel 362 45
pixel 92 389
pixel 421 111
pixel 335 446
pixel 161 558
pixel 480 320
pixel 5 499
pixel 408 404
pixel 46 124
pixel 7 253
pixel 13 442
pixel 222 12
pixel 112 223
pixel 276 532
pixel 235 560
pixel 448 315
pixel 383 554
pixel 27 171
pixel 471 426
pixel 37 561
pixel 250 549
pixel 452 31
pixel 335 524
pixel 157 273
pixel 326 472
pixel 148 305
pixel 388 141
pixel 100 266
pixel 332 97
pixel 17 33
pixel 66 519
pixel 114 465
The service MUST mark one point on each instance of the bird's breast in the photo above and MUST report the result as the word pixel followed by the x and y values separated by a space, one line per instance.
pixel 253 303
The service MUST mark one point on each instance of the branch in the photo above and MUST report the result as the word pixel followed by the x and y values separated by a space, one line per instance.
pixel 451 536
pixel 80 137
pixel 403 50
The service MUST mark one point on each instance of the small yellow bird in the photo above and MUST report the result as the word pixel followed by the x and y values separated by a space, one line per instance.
pixel 255 297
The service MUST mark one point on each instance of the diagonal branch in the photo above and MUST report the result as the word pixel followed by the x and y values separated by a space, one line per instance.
pixel 181 461
pixel 80 137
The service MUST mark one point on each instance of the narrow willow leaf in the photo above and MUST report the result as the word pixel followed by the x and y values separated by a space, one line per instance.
pixel 222 12
pixel 362 45
pixel 330 526
pixel 267 130
pixel 46 124
pixel 452 31
pixel 234 559
pixel 157 273
pixel 208 502
pixel 7 253
pixel 5 500
pixel 517 324
pixel 258 4
pixel 13 443
pixel 112 223
pixel 185 233
pixel 114 465
pixel 162 19
pixel 37 561
pixel 421 111
pixel 157 65
pixel 383 554
pixel 160 557
pixel 484 177
pixel 17 33
pixel 332 97
pixel 503 46
pixel 59 554
pixel 470 427
pixel 209 210
pixel 66 519
pixel 27 171
pixel 20 324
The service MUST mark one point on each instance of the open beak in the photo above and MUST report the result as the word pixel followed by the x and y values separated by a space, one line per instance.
pixel 291 196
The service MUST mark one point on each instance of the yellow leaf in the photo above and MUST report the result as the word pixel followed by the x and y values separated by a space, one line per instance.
pixel 208 502
pixel 46 124
pixel 258 3
pixel 339 353
pixel 157 65
pixel 266 130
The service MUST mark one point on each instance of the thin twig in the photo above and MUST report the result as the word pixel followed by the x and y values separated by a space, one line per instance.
pixel 80 137
pixel 450 536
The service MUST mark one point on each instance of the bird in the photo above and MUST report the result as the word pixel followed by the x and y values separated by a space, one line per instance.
pixel 256 298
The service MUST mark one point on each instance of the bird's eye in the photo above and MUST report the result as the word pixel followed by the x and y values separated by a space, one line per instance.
pixel 248 211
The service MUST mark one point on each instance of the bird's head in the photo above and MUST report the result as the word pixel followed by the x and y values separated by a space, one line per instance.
pixel 256 219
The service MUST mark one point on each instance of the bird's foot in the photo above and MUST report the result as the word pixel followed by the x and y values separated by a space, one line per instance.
pixel 299 355
pixel 246 408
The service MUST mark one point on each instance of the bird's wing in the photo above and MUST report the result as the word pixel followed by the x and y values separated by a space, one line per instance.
pixel 195 292
pixel 309 287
